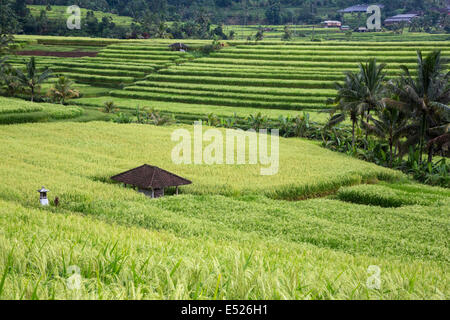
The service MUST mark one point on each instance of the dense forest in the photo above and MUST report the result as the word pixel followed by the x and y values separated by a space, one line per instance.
pixel 194 18
pixel 180 9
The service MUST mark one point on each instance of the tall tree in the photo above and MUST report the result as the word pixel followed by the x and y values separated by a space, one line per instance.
pixel 273 12
pixel 8 20
pixel 372 75
pixel 424 97
pixel 350 101
pixel 21 10
pixel 31 79
pixel 390 124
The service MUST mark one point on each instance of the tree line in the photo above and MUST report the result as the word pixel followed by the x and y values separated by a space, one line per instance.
pixel 194 18
pixel 410 115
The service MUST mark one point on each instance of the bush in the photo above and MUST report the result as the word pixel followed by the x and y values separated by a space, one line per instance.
pixel 385 196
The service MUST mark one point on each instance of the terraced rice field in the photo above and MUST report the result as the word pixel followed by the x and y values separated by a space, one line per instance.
pixel 269 77
pixel 222 238
pixel 111 67
pixel 18 111
pixel 307 32
pixel 309 232
pixel 295 77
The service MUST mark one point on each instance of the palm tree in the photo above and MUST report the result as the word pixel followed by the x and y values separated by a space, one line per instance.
pixel 31 78
pixel 8 78
pixel 161 32
pixel 360 94
pixel 440 141
pixel 63 90
pixel 424 97
pixel 350 101
pixel 109 107
pixel 5 43
pixel 373 76
pixel 390 124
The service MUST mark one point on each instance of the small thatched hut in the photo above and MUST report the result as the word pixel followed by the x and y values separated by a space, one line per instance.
pixel 151 180
pixel 179 47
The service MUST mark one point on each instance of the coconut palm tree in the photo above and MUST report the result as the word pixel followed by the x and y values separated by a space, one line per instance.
pixel 373 77
pixel 63 90
pixel 349 101
pixel 360 94
pixel 6 41
pixel 390 124
pixel 424 97
pixel 8 78
pixel 31 79
pixel 440 141
pixel 109 107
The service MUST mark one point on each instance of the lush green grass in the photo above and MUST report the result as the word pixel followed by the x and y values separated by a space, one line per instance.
pixel 235 95
pixel 392 195
pixel 253 74
pixel 305 33
pixel 318 171
pixel 268 76
pixel 221 100
pixel 203 245
pixel 194 111
pixel 239 78
pixel 59 13
pixel 58 48
pixel 112 67
pixel 232 234
pixel 302 84
pixel 19 111
pixel 101 72
pixel 284 92
pixel 106 66
pixel 61 40
pixel 38 247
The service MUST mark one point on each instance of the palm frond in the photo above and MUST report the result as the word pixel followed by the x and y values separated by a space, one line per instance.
pixel 335 120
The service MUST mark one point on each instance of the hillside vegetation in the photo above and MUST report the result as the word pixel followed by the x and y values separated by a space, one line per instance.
pixel 203 245
pixel 315 230
pixel 18 111
pixel 117 148
pixel 269 77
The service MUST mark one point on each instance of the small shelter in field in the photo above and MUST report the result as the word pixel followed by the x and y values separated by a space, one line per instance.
pixel 179 47
pixel 151 180
pixel 332 24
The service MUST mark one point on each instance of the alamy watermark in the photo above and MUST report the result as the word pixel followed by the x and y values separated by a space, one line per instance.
pixel 73 282
pixel 237 147
pixel 374 21
pixel 74 21
pixel 374 280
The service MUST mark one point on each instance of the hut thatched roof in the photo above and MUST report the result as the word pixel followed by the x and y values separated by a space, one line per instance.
pixel 150 177
pixel 179 46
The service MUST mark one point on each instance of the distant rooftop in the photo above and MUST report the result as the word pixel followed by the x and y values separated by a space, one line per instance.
pixel 401 18
pixel 358 8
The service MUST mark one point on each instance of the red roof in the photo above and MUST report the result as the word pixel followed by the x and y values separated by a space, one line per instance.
pixel 146 177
